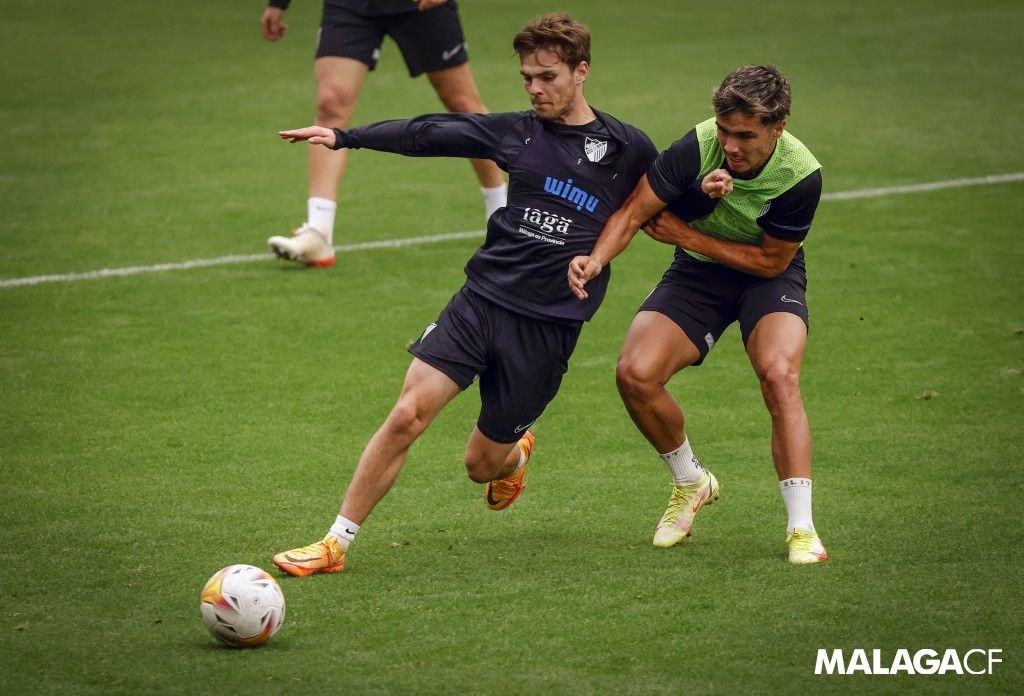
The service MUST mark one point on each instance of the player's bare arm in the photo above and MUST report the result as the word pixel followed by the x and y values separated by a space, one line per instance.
pixel 316 135
pixel 271 25
pixel 766 260
pixel 424 5
pixel 620 229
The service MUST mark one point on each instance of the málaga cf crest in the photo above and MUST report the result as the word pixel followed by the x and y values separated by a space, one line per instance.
pixel 595 149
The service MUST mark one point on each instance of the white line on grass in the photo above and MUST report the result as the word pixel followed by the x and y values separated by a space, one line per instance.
pixel 225 260
pixel 917 188
pixel 430 239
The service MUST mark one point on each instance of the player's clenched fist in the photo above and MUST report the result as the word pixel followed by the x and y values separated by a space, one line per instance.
pixel 717 183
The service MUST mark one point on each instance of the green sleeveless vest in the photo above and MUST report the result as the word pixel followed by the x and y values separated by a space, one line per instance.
pixel 735 216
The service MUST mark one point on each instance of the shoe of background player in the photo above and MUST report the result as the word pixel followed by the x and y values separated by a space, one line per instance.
pixel 306 245
pixel 676 523
pixel 325 556
pixel 805 547
pixel 499 494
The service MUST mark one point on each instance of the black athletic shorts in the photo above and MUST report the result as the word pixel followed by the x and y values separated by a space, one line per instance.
pixel 518 359
pixel 705 298
pixel 429 41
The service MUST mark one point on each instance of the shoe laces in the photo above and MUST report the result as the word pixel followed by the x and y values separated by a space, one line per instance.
pixel 681 497
pixel 310 549
pixel 802 539
pixel 323 547
pixel 675 506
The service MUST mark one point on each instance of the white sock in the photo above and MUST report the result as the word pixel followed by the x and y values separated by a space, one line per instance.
pixel 494 198
pixel 683 465
pixel 320 214
pixel 796 494
pixel 344 531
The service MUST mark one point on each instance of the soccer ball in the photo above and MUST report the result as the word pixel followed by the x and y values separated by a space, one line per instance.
pixel 242 605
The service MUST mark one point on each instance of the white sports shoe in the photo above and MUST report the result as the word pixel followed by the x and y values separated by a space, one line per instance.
pixel 805 547
pixel 306 245
pixel 677 522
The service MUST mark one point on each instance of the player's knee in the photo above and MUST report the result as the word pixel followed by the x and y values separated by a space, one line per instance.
pixel 335 103
pixel 478 469
pixel 484 464
pixel 405 421
pixel 780 384
pixel 634 383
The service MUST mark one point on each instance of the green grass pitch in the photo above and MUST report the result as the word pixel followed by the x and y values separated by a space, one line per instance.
pixel 158 426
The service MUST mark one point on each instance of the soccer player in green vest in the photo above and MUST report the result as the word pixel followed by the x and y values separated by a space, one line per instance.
pixel 736 196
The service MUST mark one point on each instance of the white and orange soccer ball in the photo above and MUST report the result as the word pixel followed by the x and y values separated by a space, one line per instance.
pixel 242 605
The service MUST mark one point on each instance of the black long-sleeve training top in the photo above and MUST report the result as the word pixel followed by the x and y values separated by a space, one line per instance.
pixel 564 184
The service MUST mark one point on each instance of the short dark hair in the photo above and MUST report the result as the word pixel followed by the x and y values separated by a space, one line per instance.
pixel 754 90
pixel 556 32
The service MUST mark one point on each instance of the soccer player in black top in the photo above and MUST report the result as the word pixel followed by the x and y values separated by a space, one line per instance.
pixel 515 322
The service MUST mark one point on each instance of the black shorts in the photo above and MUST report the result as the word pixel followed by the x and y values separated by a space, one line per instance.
pixel 705 298
pixel 429 41
pixel 518 359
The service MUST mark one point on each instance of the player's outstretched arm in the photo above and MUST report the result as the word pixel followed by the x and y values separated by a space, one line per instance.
pixel 316 135
pixel 620 229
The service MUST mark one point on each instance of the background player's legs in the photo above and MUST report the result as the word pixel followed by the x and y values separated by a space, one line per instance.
pixel 458 92
pixel 338 83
